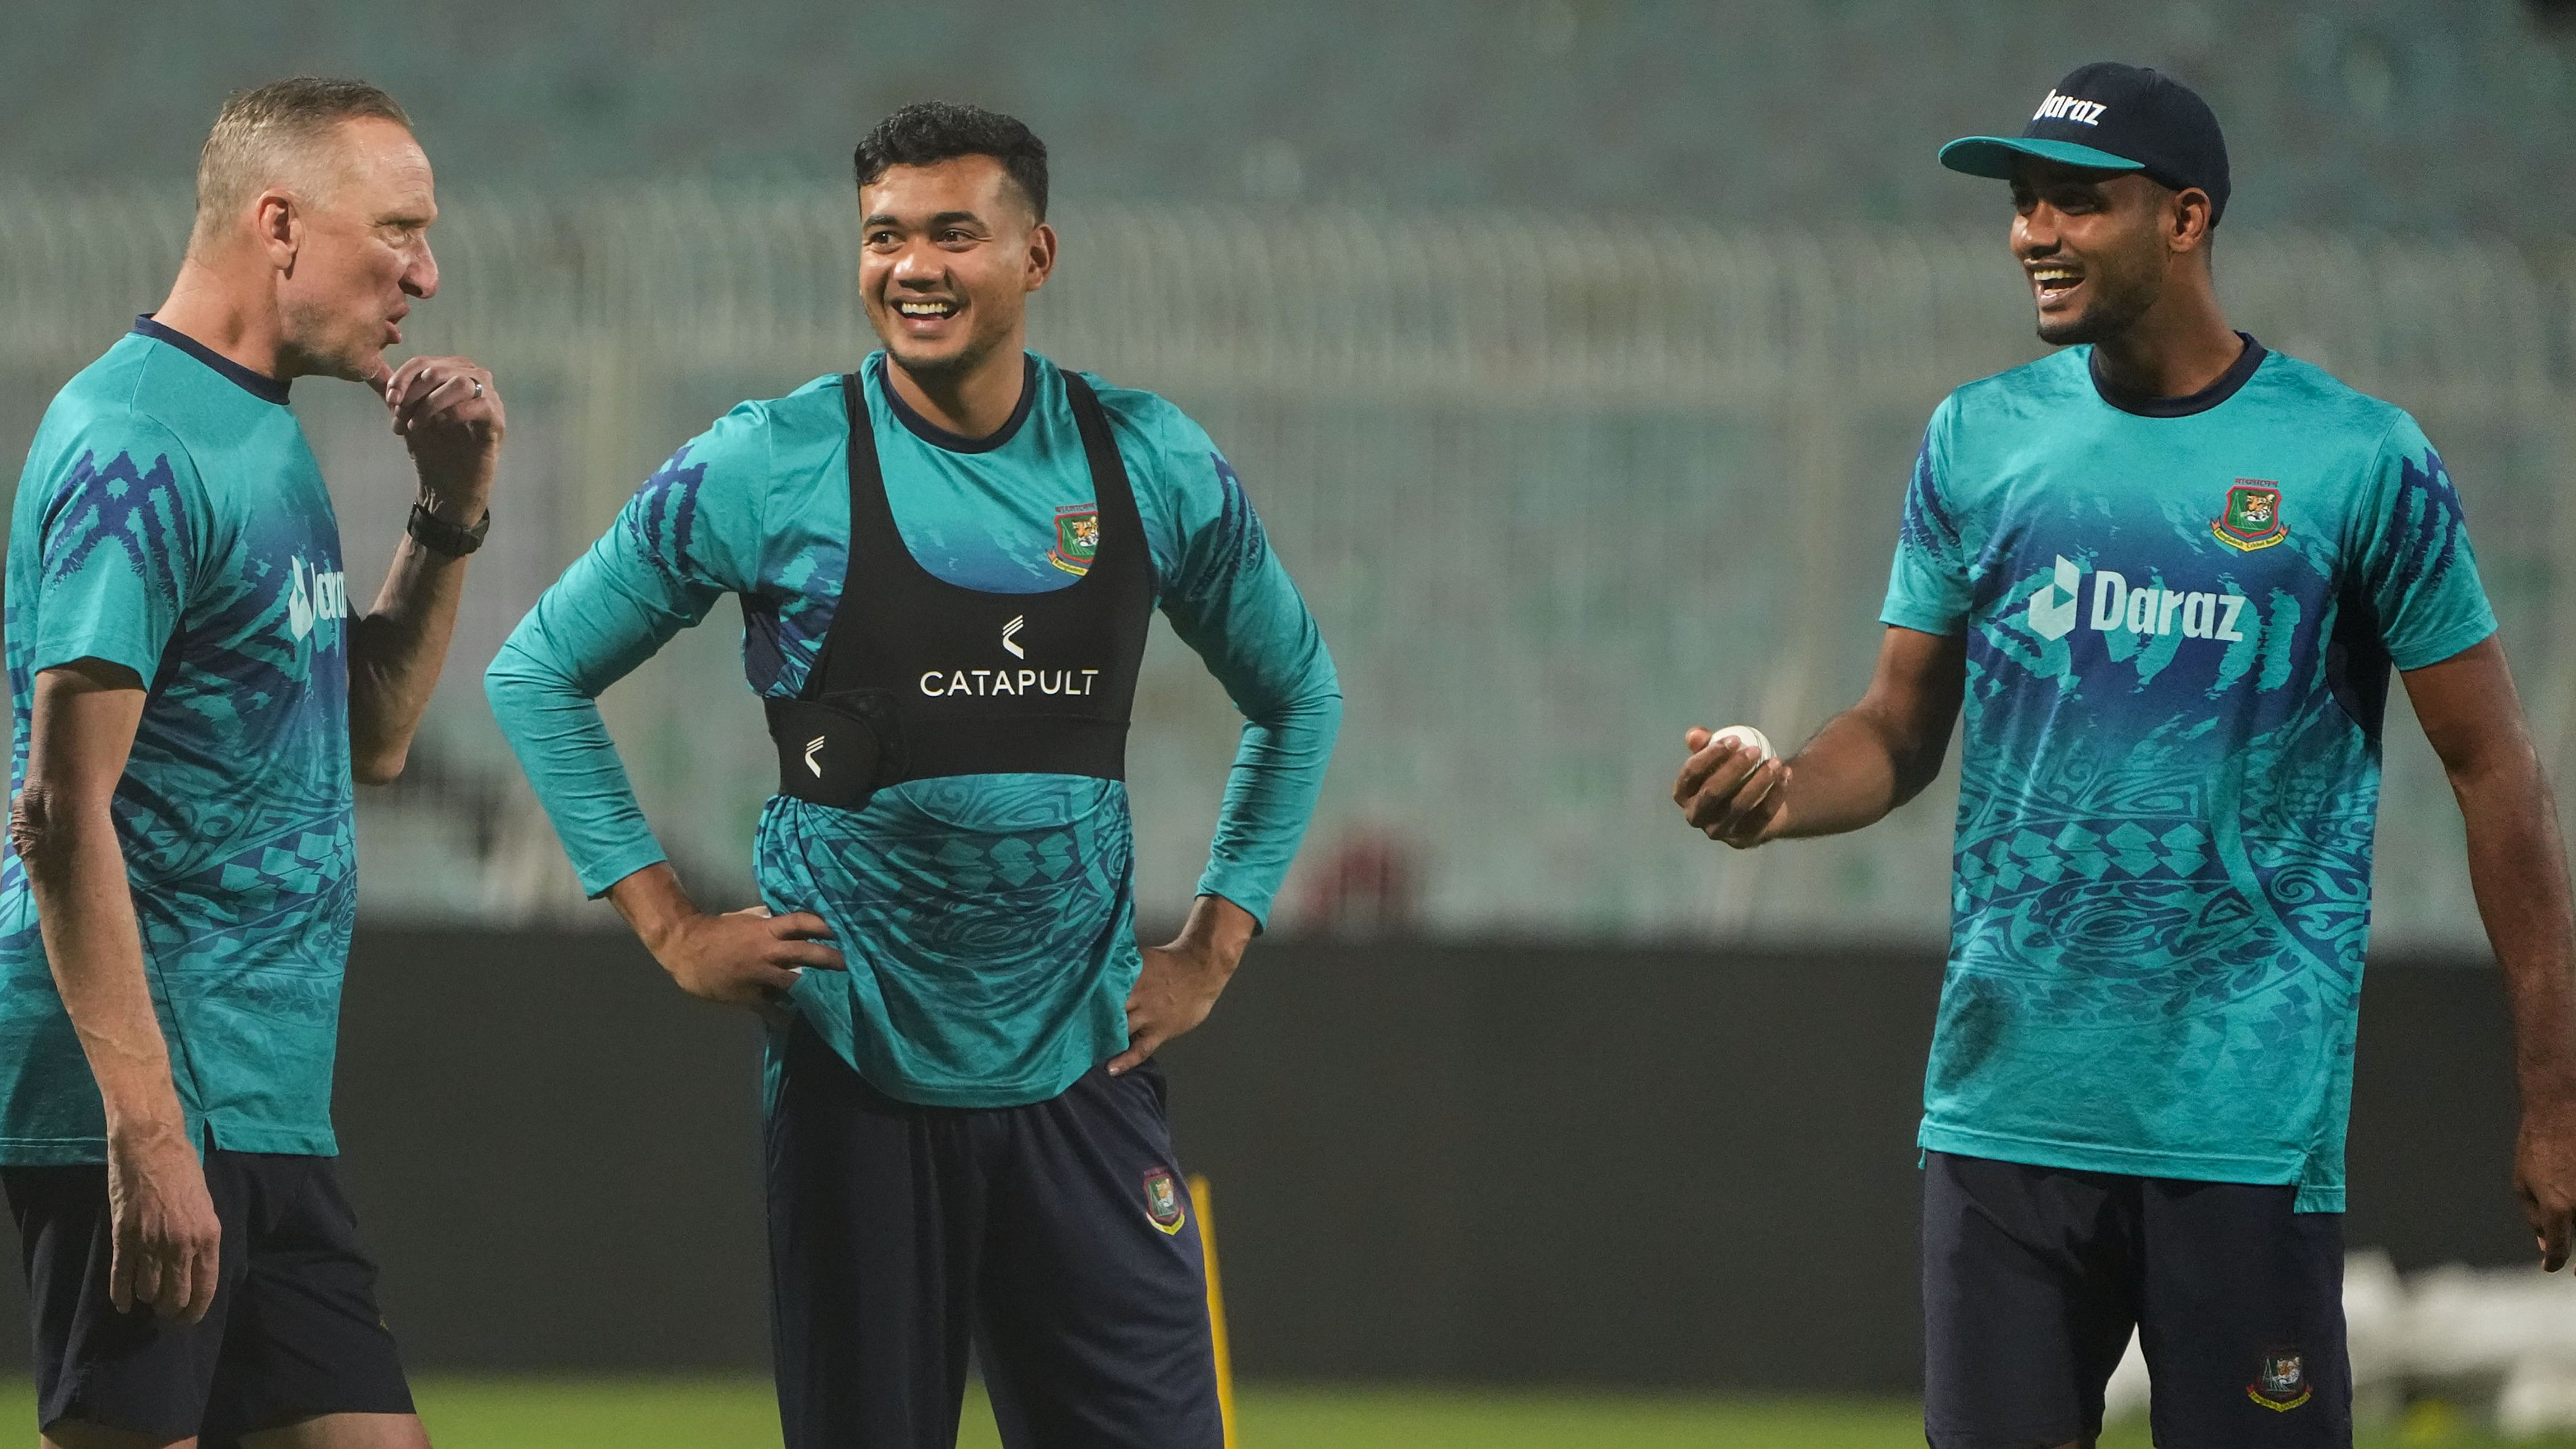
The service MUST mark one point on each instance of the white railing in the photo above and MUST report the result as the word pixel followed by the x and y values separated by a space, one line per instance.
pixel 1555 492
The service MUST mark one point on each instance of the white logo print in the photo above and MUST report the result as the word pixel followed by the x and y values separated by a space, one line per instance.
pixel 2052 609
pixel 814 747
pixel 984 683
pixel 313 596
pixel 2067 108
pixel 2145 609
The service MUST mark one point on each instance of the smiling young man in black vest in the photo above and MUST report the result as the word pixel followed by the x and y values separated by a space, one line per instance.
pixel 947 561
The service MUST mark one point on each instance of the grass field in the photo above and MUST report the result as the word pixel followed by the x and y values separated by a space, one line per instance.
pixel 740 1414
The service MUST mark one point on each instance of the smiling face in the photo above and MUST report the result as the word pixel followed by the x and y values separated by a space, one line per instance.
pixel 949 253
pixel 354 246
pixel 2096 245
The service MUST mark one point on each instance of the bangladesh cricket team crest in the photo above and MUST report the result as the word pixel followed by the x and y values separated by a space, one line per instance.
pixel 1163 1199
pixel 2253 516
pixel 2283 1383
pixel 1077 538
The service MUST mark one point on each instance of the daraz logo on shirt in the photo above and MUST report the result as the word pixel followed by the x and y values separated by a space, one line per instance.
pixel 2145 609
pixel 313 596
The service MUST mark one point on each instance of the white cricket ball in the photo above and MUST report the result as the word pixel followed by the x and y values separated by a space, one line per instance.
pixel 1747 735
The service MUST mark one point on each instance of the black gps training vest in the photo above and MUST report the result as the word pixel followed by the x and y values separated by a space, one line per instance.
pixel 920 678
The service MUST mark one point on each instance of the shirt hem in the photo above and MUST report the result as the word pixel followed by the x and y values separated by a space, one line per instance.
pixel 62 656
pixel 1924 623
pixel 880 1069
pixel 52 1151
pixel 2447 645
pixel 2132 1161
pixel 281 1140
pixel 978 1097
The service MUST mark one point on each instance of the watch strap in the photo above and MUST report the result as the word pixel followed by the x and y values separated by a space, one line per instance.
pixel 440 536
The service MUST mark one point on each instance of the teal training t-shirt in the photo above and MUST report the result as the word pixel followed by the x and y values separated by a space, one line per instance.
pixel 2180 617
pixel 172 520
pixel 988 920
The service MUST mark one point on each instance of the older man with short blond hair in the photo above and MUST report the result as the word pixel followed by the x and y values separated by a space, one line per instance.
pixel 194 698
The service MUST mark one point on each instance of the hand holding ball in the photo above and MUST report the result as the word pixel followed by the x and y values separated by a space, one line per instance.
pixel 1734 796
pixel 1748 737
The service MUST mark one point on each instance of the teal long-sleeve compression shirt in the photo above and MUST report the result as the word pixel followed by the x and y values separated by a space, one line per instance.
pixel 988 920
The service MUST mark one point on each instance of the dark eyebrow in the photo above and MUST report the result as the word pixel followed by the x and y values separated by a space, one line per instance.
pixel 945 218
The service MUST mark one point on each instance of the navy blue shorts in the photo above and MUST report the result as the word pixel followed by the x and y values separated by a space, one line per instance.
pixel 1056 1242
pixel 2033 1278
pixel 294 1332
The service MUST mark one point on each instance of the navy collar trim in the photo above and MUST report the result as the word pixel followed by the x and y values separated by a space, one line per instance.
pixel 939 437
pixel 258 385
pixel 2238 373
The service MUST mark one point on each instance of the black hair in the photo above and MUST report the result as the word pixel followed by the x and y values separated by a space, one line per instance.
pixel 928 132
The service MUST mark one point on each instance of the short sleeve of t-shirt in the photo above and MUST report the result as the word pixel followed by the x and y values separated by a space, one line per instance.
pixel 1927 588
pixel 2416 567
pixel 122 525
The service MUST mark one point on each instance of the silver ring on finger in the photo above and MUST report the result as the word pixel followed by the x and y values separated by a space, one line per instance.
pixel 478 388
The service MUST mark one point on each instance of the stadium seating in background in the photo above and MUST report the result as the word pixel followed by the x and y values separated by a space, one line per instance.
pixel 1554 497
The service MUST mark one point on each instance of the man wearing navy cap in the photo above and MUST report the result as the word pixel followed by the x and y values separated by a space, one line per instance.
pixel 2166 572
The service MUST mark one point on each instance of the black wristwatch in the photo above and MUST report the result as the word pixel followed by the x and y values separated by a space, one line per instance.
pixel 440 536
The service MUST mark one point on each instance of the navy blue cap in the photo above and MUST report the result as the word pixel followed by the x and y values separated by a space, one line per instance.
pixel 2112 117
